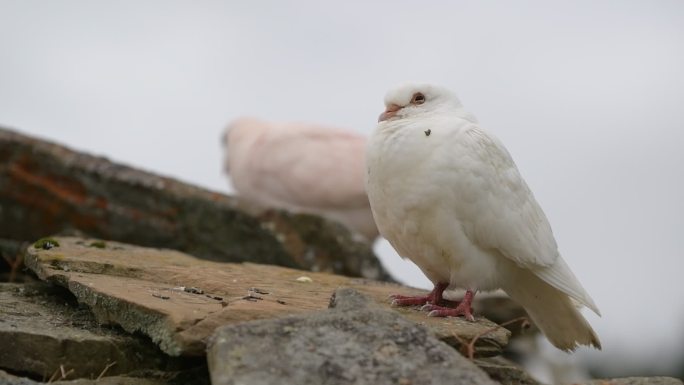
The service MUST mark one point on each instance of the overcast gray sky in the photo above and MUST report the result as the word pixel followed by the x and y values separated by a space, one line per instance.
pixel 588 96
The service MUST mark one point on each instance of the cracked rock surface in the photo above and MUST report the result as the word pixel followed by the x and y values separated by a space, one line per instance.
pixel 353 343
pixel 41 330
pixel 157 292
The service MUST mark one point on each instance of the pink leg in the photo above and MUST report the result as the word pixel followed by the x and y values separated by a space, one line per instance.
pixel 464 308
pixel 434 297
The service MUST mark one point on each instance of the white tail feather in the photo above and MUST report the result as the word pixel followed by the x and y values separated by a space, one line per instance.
pixel 561 277
pixel 552 311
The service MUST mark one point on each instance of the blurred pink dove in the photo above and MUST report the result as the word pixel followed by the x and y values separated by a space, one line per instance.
pixel 302 168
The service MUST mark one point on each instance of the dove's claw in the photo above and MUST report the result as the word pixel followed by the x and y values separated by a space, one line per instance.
pixel 434 297
pixel 429 307
pixel 464 308
pixel 452 313
pixel 439 311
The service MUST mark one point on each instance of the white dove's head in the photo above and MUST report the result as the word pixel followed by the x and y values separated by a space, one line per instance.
pixel 410 99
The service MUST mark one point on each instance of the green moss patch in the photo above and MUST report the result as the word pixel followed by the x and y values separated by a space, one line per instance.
pixel 46 243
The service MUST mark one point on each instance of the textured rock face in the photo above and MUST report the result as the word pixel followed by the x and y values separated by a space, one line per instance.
pixel 40 330
pixel 505 372
pixel 267 325
pixel 46 189
pixel 179 300
pixel 636 381
pixel 353 343
pixel 8 379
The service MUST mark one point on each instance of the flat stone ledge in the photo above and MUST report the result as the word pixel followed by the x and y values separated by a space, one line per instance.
pixel 179 301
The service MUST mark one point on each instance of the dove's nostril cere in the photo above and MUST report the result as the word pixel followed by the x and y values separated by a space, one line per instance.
pixel 390 111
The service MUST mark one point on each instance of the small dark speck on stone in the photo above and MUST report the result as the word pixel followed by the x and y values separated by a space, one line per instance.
pixel 258 291
pixel 252 298
pixel 428 132
pixel 280 301
pixel 46 243
pixel 193 290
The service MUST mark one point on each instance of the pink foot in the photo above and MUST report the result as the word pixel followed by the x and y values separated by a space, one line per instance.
pixel 435 297
pixel 464 308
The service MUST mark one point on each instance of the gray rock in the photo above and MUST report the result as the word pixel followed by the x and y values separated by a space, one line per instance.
pixel 46 189
pixel 348 344
pixel 41 329
pixel 8 379
pixel 505 372
pixel 348 299
pixel 635 381
pixel 116 380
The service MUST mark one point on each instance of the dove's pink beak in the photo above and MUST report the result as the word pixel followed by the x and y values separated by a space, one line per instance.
pixel 390 111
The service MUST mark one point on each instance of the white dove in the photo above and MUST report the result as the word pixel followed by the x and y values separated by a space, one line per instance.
pixel 302 168
pixel 447 195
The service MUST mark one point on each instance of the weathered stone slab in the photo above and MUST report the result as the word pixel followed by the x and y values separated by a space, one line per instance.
pixel 41 329
pixel 354 343
pixel 635 381
pixel 179 300
pixel 46 189
pixel 116 380
pixel 504 371
pixel 8 379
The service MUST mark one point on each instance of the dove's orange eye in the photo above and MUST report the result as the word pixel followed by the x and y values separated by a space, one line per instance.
pixel 418 98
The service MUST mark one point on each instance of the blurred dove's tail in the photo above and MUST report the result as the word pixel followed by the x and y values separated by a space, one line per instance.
pixel 552 311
